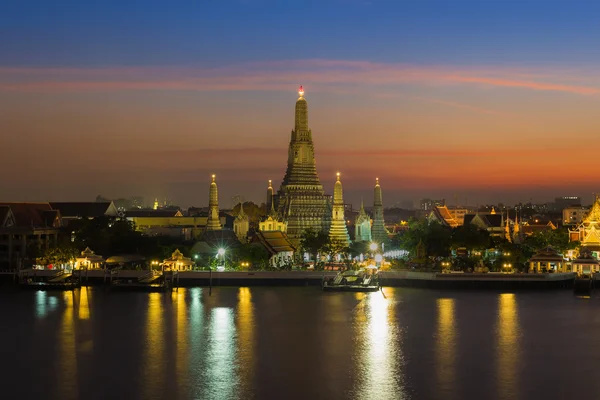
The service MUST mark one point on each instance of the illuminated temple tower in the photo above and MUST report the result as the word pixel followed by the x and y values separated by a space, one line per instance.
pixel 378 231
pixel 213 223
pixel 588 231
pixel 338 232
pixel 301 201
pixel 362 225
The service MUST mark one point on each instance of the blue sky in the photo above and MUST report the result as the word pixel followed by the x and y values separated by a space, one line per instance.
pixel 442 98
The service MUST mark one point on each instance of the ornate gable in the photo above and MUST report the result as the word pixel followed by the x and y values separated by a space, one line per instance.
pixel 594 214
pixel 591 236
pixel 9 220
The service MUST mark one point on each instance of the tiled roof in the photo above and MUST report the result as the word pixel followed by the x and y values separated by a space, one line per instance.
pixel 275 241
pixel 84 209
pixel 152 213
pixel 29 214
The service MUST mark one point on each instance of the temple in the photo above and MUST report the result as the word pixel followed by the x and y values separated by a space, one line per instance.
pixel 588 231
pixel 378 230
pixel 338 233
pixel 362 225
pixel 241 225
pixel 213 223
pixel 301 201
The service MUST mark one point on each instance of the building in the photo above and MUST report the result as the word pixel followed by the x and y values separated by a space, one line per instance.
pixel 588 231
pixel 26 230
pixel 428 204
pixel 241 225
pixel 442 215
pixel 338 232
pixel 169 223
pixel 272 222
pixel 378 231
pixel 71 211
pixel 491 222
pixel 574 215
pixel 561 203
pixel 362 225
pixel 301 201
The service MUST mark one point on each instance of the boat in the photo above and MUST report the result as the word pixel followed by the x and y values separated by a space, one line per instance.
pixel 363 280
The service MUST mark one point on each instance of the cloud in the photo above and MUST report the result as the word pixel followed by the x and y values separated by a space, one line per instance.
pixel 284 75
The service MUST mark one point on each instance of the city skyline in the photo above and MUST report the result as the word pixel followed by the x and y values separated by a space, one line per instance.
pixel 500 107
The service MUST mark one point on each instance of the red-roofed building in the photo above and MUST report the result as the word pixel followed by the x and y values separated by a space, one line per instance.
pixel 24 226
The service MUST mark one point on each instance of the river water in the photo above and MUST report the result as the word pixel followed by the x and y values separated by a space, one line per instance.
pixel 298 343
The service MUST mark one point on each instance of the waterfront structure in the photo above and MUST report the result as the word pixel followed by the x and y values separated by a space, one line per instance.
pixel 213 223
pixel 280 248
pixel 378 230
pixel 362 225
pixel 26 230
pixel 338 232
pixel 546 260
pixel 586 263
pixel 89 260
pixel 301 201
pixel 588 231
pixel 241 225
pixel 177 262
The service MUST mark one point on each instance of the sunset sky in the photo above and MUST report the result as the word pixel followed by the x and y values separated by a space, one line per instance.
pixel 480 100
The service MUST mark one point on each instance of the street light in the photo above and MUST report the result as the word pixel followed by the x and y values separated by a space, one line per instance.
pixel 221 251
pixel 373 246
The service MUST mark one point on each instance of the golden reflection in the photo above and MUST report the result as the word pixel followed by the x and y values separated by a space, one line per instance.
pixel 221 353
pixel 67 356
pixel 508 345
pixel 84 307
pixel 245 324
pixel 153 374
pixel 378 348
pixel 182 359
pixel 446 347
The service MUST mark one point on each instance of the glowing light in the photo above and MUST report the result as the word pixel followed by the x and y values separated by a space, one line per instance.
pixel 301 91
pixel 221 251
pixel 378 258
pixel 446 345
pixel 373 246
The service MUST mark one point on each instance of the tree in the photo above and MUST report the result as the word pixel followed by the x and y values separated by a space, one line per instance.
pixel 314 242
pixel 470 237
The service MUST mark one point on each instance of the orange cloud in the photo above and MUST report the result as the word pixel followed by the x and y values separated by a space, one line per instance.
pixel 323 75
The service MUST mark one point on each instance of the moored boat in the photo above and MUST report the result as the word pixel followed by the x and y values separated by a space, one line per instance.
pixel 363 280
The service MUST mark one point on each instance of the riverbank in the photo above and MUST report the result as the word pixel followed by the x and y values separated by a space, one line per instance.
pixel 315 278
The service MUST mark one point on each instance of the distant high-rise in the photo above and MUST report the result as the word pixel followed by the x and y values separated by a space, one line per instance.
pixel 378 231
pixel 301 201
pixel 213 223
pixel 338 232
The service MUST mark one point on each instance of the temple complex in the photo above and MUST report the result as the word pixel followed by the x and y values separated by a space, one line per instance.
pixel 378 230
pixel 213 223
pixel 338 233
pixel 301 201
pixel 588 231
pixel 362 225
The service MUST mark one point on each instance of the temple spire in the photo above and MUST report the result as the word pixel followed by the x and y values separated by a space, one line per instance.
pixel 338 232
pixel 378 232
pixel 270 206
pixel 213 223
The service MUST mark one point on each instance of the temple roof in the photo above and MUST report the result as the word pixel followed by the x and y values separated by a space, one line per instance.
pixel 546 255
pixel 443 216
pixel 85 209
pixel 32 214
pixel 275 242
pixel 594 214
pixel 153 213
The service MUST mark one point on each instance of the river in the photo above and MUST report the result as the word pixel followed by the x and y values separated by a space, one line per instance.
pixel 298 343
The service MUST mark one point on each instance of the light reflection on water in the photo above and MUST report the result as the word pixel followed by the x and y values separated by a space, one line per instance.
pixel 67 351
pixel 220 354
pixel 446 348
pixel 508 349
pixel 153 370
pixel 421 343
pixel 378 343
